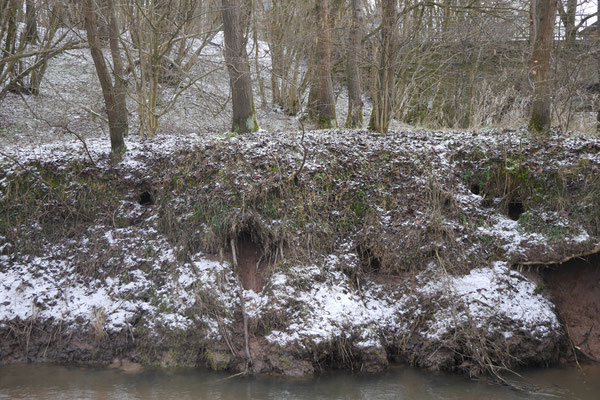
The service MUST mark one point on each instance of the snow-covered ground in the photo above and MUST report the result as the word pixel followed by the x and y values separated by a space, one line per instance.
pixel 305 305
pixel 312 304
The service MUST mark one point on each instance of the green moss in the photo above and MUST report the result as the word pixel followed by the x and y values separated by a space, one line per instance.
pixel 507 179
pixel 360 204
pixel 326 122
pixel 537 125
pixel 117 152
pixel 531 222
pixel 167 348
pixel 121 222
pixel 245 125
pixel 216 360
pixel 61 201
pixel 349 123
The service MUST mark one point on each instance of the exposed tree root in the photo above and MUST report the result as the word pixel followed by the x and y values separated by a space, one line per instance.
pixel 595 250
pixel 244 315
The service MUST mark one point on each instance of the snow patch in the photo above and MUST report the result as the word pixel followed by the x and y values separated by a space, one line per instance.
pixel 491 298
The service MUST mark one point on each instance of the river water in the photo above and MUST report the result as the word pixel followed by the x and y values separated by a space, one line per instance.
pixel 70 383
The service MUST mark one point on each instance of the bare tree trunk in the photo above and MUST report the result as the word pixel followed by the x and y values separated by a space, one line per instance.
pixel 276 49
pixel 10 39
pixel 326 104
pixel 108 91
pixel 275 81
pixel 532 23
pixel 545 12
pixel 313 91
pixel 118 68
pixel 51 28
pixel 102 22
pixel 261 84
pixel 570 27
pixel 598 61
pixel 382 102
pixel 355 115
pixel 236 58
pixel 567 17
pixel 31 34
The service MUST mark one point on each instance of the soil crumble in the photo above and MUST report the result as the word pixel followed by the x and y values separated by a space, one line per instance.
pixel 575 289
pixel 251 263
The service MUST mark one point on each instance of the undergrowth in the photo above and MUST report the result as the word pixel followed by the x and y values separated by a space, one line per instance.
pixel 42 203
pixel 540 186
pixel 393 210
pixel 208 201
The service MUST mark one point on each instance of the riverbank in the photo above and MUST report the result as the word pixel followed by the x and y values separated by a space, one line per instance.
pixel 344 250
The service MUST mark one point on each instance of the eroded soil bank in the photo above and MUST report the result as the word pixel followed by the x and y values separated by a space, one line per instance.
pixel 401 247
pixel 574 287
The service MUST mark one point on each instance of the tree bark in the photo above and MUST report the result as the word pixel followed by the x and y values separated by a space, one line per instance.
pixel 236 58
pixel 276 48
pixel 383 100
pixel 355 115
pixel 326 104
pixel 31 33
pixel 567 17
pixel 10 36
pixel 532 24
pixel 261 85
pixel 118 69
pixel 545 12
pixel 312 103
pixel 108 91
pixel 598 63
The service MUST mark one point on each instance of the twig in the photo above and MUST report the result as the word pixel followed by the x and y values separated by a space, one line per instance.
pixel 233 254
pixel 578 347
pixel 224 333
pixel 78 136
pixel 65 127
pixel 224 379
pixel 573 348
pixel 304 148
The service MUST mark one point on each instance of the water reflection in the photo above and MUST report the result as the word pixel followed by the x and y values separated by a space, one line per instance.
pixel 69 383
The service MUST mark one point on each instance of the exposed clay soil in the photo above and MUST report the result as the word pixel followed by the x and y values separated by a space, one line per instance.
pixel 575 290
pixel 250 263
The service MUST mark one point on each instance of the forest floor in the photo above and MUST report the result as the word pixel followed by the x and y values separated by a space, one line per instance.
pixel 469 251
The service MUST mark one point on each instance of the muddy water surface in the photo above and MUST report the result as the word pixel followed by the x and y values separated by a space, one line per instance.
pixel 58 382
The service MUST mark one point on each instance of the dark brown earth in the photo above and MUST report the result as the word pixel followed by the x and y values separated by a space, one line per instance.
pixel 250 263
pixel 574 287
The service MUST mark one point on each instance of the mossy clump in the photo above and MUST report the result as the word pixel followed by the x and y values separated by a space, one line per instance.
pixel 543 189
pixel 326 122
pixel 509 179
pixel 168 347
pixel 245 125
pixel 217 360
pixel 56 201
